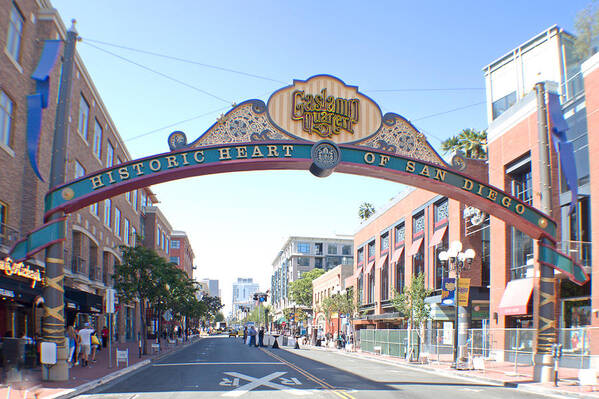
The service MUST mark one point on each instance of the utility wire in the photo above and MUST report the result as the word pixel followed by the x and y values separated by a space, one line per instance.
pixel 160 73
pixel 176 123
pixel 219 68
pixel 431 89
pixel 448 111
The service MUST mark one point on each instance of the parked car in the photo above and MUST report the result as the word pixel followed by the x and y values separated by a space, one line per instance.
pixel 232 333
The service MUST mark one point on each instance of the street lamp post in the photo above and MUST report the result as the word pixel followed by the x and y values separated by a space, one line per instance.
pixel 458 261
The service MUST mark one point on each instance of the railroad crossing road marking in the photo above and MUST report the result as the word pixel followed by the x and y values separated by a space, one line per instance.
pixel 257 382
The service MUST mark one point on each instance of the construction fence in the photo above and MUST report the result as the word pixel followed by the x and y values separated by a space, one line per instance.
pixel 514 345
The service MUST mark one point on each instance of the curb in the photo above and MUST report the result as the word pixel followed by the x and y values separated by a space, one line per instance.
pixel 549 392
pixel 88 386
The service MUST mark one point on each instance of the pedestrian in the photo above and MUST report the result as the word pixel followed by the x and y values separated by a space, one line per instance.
pixel 261 337
pixel 77 346
pixel 72 339
pixel 95 345
pixel 104 334
pixel 252 334
pixel 85 335
pixel 245 334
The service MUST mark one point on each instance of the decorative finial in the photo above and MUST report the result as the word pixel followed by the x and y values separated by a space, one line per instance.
pixel 72 28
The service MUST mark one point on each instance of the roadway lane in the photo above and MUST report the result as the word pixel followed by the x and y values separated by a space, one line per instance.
pixel 224 367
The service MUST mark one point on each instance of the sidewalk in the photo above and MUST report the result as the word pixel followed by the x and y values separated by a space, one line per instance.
pixel 501 373
pixel 83 378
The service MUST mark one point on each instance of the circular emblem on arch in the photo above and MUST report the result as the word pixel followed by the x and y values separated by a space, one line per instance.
pixel 543 223
pixel 68 194
pixel 177 140
pixel 325 158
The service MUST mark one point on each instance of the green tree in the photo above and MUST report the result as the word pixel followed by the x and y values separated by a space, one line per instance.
pixel 300 290
pixel 366 210
pixel 213 306
pixel 135 278
pixel 470 141
pixel 258 314
pixel 586 26
pixel 410 304
pixel 219 317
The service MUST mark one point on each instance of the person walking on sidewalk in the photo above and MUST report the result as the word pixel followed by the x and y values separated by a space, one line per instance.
pixel 85 336
pixel 245 334
pixel 104 333
pixel 71 335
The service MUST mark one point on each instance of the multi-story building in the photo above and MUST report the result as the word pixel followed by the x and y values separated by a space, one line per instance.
pixel 156 230
pixel 515 166
pixel 302 254
pixel 213 289
pixel 243 291
pixel 181 253
pixel 332 282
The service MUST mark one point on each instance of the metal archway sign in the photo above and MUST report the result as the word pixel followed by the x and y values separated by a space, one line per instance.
pixel 322 125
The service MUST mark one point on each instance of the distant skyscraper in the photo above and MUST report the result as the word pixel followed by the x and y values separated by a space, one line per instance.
pixel 243 291
pixel 212 286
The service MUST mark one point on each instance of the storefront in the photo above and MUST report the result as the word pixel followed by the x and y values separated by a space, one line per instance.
pixel 82 307
pixel 20 297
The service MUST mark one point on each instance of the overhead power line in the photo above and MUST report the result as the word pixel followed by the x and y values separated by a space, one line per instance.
pixel 429 89
pixel 170 57
pixel 160 74
pixel 448 111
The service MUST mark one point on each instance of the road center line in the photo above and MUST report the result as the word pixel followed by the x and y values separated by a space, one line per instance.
pixel 210 363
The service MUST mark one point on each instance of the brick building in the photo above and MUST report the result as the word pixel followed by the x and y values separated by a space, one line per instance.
pixel 330 283
pixel 181 253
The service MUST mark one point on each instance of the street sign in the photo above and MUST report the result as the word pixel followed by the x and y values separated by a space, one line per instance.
pixel 110 300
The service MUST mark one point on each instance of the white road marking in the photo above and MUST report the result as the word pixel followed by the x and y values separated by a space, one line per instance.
pixel 264 381
pixel 472 389
pixel 210 363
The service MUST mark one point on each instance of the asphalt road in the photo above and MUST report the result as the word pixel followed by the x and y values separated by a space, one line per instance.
pixel 224 367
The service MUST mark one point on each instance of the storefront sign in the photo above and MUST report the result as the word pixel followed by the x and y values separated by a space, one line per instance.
pixel 20 269
pixel 7 293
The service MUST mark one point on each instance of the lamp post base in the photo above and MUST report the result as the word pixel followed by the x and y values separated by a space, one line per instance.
pixel 543 369
pixel 60 370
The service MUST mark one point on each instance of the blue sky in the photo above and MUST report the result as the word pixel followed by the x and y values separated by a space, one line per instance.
pixel 392 50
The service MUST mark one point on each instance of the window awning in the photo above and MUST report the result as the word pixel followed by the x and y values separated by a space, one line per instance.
pixel 369 268
pixel 396 254
pixel 415 247
pixel 515 297
pixel 438 236
pixel 381 262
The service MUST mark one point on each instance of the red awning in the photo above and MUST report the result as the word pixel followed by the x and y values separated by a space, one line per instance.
pixel 415 247
pixel 515 297
pixel 438 236
pixel 381 262
pixel 369 268
pixel 396 254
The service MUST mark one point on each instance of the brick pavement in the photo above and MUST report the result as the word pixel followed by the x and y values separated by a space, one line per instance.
pixel 79 376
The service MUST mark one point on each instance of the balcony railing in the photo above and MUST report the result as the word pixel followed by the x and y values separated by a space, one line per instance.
pixel 8 235
pixel 579 250
pixel 78 264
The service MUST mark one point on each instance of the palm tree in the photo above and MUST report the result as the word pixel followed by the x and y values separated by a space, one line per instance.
pixel 472 142
pixel 366 210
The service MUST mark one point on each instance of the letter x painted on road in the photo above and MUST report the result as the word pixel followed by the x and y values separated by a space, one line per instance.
pixel 257 382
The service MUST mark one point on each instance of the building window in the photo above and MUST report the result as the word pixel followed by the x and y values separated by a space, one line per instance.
pixel 128 196
pixel 318 263
pixel 126 231
pixel 400 234
pixel 522 247
pixel 109 154
pixel 79 170
pixel 98 139
pixel 418 224
pixel 400 274
pixel 346 250
pixel 143 198
pixel 384 241
pixel 135 199
pixel 175 244
pixel 133 236
pixel 501 105
pixel 158 236
pixel 333 261
pixel 418 262
pixel 318 248
pixel 385 282
pixel 360 255
pixel 83 117
pixel 117 222
pixel 303 261
pixel 107 212
pixel 3 224
pixel 371 287
pixel 6 108
pixel 303 247
pixel 371 250
pixel 522 183
pixel 332 249
pixel 174 259
pixel 94 209
pixel 360 289
pixel 441 270
pixel 442 211
pixel 15 33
